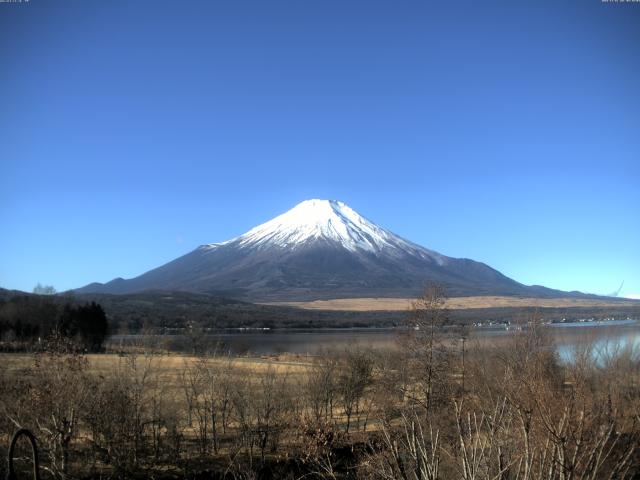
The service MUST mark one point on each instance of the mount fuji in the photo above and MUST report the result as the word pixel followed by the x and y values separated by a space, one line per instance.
pixel 320 249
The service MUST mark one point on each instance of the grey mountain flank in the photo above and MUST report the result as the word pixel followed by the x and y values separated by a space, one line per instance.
pixel 321 249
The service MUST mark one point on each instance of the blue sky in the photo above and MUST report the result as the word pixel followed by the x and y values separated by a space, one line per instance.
pixel 507 132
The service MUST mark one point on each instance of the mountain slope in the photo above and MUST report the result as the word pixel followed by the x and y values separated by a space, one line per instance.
pixel 319 249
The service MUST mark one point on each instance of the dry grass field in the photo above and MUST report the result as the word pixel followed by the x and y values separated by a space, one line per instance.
pixel 170 365
pixel 455 303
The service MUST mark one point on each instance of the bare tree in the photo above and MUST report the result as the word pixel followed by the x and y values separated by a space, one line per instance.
pixel 40 289
pixel 430 354
pixel 320 386
pixel 354 377
pixel 411 451
pixel 213 397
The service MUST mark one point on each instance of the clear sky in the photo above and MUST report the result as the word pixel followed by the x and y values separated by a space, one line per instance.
pixel 133 131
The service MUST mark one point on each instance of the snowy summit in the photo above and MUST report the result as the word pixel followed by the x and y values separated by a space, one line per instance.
pixel 329 220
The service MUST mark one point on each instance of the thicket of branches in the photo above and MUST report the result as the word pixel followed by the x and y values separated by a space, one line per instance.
pixel 513 411
pixel 436 408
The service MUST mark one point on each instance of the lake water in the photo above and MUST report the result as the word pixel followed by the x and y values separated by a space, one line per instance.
pixel 605 337
pixel 604 340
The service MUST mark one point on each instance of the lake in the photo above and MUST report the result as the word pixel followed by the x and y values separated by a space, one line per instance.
pixel 604 336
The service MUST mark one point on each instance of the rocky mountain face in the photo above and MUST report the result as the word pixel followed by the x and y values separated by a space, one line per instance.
pixel 320 249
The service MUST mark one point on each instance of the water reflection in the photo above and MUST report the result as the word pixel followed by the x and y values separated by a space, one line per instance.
pixel 600 346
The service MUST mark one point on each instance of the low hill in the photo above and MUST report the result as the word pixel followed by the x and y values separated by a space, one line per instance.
pixel 172 312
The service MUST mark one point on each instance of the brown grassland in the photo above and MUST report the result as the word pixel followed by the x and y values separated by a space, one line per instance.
pixel 458 303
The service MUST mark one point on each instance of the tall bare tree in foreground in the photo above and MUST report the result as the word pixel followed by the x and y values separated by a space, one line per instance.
pixel 430 355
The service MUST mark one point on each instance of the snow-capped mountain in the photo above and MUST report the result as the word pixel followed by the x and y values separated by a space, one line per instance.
pixel 331 221
pixel 317 250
